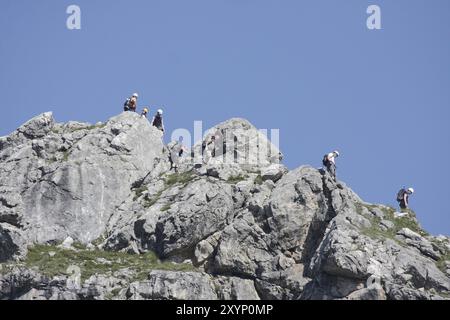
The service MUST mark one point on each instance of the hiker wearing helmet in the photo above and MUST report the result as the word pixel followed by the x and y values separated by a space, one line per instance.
pixel 208 148
pixel 131 103
pixel 403 197
pixel 329 161
pixel 157 120
pixel 144 113
pixel 176 152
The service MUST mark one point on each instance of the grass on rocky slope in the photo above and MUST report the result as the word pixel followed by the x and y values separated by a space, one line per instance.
pixel 441 263
pixel 179 178
pixel 236 179
pixel 170 180
pixel 53 261
pixel 138 192
pixel 375 231
pixel 409 221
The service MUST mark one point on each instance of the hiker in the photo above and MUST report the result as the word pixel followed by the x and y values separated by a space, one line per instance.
pixel 144 113
pixel 403 197
pixel 329 161
pixel 157 120
pixel 176 152
pixel 131 103
pixel 209 149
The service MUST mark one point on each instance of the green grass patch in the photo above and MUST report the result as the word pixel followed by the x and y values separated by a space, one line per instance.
pixel 78 245
pixel 99 240
pixel 259 180
pixel 442 261
pixel 236 179
pixel 39 257
pixel 5 268
pixel 179 178
pixel 150 201
pixel 444 295
pixel 52 160
pixel 65 157
pixel 138 192
pixel 166 207
pixel 171 180
pixel 113 294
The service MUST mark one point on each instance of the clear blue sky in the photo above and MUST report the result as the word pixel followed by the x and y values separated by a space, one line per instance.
pixel 310 68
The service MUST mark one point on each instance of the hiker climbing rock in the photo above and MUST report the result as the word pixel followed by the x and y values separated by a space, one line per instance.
pixel 157 120
pixel 144 113
pixel 403 197
pixel 209 149
pixel 176 152
pixel 131 103
pixel 329 161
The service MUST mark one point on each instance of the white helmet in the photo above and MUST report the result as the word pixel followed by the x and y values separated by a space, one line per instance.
pixel 135 95
pixel 160 111
pixel 410 190
pixel 336 153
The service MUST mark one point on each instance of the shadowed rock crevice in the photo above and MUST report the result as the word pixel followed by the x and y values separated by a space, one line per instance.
pixel 318 227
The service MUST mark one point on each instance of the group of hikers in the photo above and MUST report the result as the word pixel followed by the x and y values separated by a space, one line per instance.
pixel 131 105
pixel 328 161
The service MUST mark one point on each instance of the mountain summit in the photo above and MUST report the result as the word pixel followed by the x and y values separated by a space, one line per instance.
pixel 98 212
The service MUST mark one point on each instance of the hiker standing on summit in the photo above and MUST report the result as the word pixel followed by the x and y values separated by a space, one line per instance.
pixel 329 161
pixel 157 120
pixel 403 197
pixel 144 113
pixel 131 103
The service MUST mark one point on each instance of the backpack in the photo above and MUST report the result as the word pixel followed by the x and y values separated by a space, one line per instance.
pixel 400 195
pixel 125 105
pixel 325 160
pixel 157 122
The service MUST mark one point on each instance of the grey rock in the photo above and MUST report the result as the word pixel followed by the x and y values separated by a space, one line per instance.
pixel 163 285
pixel 233 288
pixel 67 243
pixel 243 250
pixel 195 213
pixel 205 248
pixel 12 243
pixel 377 212
pixel 237 141
pixel 37 127
pixel 416 240
pixel 75 188
pixel 374 293
pixel 249 228
pixel 273 172
pixel 387 224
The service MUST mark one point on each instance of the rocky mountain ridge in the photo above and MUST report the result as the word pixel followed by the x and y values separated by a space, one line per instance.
pixel 96 212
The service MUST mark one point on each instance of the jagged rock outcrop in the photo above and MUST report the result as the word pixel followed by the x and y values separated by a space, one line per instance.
pixel 61 180
pixel 234 224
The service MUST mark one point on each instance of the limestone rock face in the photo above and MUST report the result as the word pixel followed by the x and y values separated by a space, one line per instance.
pixel 230 223
pixel 67 180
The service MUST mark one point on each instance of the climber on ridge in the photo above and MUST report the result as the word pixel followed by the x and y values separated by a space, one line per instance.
pixel 144 113
pixel 131 103
pixel 403 197
pixel 176 152
pixel 329 161
pixel 157 120
pixel 209 148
